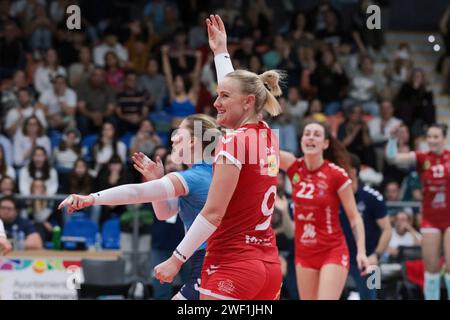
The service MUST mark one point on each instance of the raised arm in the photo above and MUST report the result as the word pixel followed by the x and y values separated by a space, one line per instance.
pixel 286 160
pixel 217 38
pixel 167 71
pixel 392 154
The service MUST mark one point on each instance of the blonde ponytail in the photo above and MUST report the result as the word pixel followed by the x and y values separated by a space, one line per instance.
pixel 265 87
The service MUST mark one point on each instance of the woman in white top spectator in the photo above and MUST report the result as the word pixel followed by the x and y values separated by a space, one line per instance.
pixel 145 140
pixel 25 140
pixel 40 210
pixel 403 234
pixel 5 169
pixel 38 168
pixel 47 72
pixel 68 151
pixel 106 146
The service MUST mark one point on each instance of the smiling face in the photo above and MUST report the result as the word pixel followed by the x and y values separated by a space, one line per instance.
pixel 313 139
pixel 229 103
pixel 435 140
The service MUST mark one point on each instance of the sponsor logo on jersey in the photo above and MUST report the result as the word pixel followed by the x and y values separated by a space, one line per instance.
pixel 322 185
pixel 272 165
pixel 309 233
pixel 257 241
pixel 426 165
pixel 308 217
pixel 296 178
pixel 226 286
pixel 212 269
pixel 322 175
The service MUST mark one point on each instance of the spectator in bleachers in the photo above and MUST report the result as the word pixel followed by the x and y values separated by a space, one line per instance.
pixel 80 181
pixel 57 10
pixel 40 210
pixel 380 128
pixel 110 44
pixel 5 169
pixel 155 11
pixel 114 73
pixel 392 192
pixel 47 72
pixel 414 104
pixel 354 134
pixel 365 87
pixel 40 30
pixel 12 53
pixel 7 146
pixel 296 106
pixel 368 41
pixel 256 64
pixel 80 72
pixel 197 37
pixel 242 56
pixel 132 107
pixel 444 28
pixel 68 150
pixel 153 84
pixel 59 104
pixel 141 41
pixel 403 234
pixel 31 135
pixel 314 113
pixel 330 79
pixel 9 93
pixel 145 140
pixel 182 92
pixel 7 186
pixel 15 118
pixel 287 129
pixel 10 217
pixel 331 32
pixel 112 174
pixel 298 35
pixel 38 168
pixel 69 43
pixel 399 69
pixel 107 146
pixel 96 101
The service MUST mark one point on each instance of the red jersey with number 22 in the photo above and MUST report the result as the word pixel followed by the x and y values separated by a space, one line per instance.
pixel 245 232
pixel 434 171
pixel 316 203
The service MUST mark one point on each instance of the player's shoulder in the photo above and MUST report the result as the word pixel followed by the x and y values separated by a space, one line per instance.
pixel 335 169
pixel 372 193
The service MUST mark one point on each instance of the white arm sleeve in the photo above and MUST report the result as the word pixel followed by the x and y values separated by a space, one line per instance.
pixel 2 230
pixel 223 65
pixel 200 230
pixel 166 209
pixel 155 190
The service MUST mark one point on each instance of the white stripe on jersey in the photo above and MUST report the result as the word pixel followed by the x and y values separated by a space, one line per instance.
pixel 373 192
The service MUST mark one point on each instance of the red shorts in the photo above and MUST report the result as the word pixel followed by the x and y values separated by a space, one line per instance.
pixel 428 226
pixel 312 259
pixel 243 280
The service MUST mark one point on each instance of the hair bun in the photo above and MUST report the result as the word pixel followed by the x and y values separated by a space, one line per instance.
pixel 271 80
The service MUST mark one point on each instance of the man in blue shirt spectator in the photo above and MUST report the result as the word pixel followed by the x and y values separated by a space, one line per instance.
pixel 9 216
pixel 377 228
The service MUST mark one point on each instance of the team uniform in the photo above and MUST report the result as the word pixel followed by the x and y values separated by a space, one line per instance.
pixel 318 235
pixel 434 174
pixel 196 181
pixel 241 261
pixel 371 206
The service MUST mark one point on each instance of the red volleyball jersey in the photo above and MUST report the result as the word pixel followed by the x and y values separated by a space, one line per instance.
pixel 316 205
pixel 245 231
pixel 434 171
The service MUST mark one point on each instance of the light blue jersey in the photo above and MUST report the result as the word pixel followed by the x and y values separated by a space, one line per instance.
pixel 196 182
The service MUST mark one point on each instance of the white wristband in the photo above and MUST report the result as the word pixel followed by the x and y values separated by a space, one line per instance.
pixel 2 230
pixel 223 65
pixel 200 230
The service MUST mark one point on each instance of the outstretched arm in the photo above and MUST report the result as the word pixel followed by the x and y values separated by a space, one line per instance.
pixel 217 38
pixel 156 190
pixel 167 71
